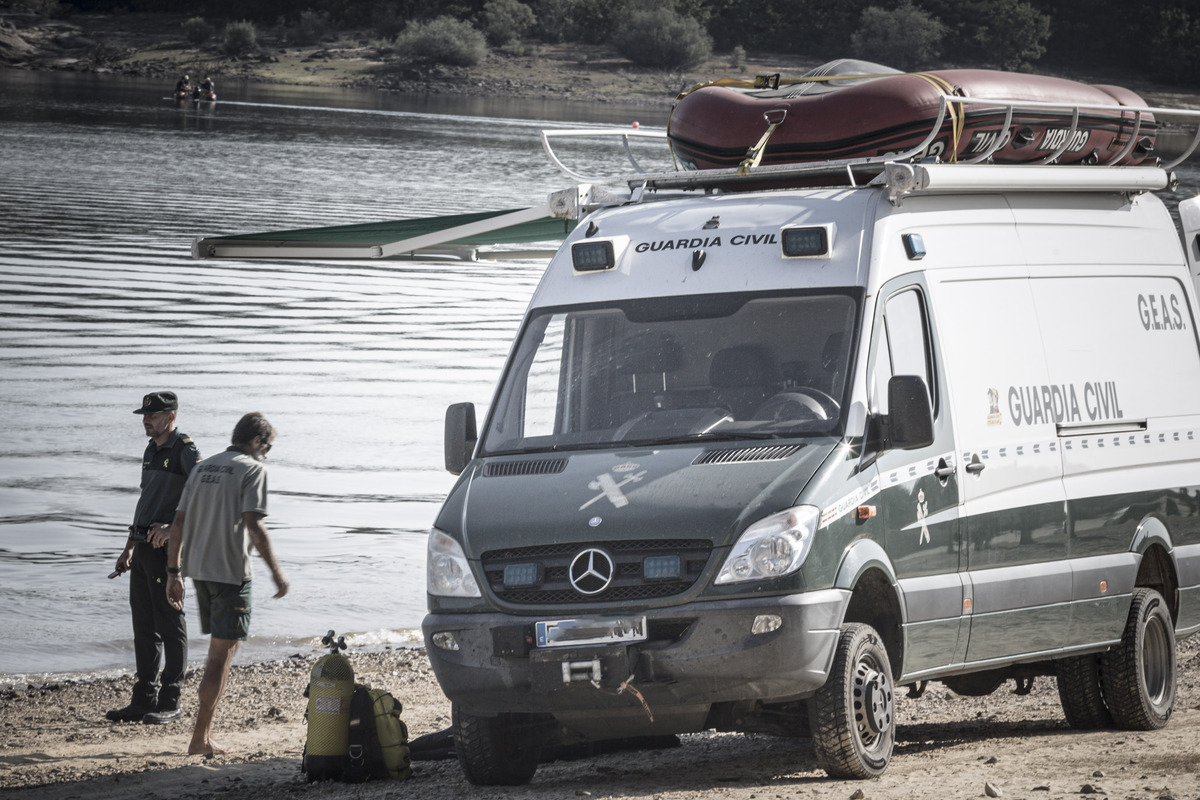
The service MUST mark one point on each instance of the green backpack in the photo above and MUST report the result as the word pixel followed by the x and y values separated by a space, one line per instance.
pixel 378 738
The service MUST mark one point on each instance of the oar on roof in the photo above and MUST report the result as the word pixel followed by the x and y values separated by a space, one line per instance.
pixel 485 234
pixel 459 235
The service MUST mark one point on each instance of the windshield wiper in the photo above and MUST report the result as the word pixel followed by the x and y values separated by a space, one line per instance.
pixel 549 448
pixel 707 436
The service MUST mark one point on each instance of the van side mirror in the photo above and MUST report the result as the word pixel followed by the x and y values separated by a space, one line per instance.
pixel 460 437
pixel 910 418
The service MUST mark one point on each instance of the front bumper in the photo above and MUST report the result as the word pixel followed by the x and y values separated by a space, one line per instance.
pixel 696 655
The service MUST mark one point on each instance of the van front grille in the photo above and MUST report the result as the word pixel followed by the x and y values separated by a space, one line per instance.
pixel 630 584
pixel 536 466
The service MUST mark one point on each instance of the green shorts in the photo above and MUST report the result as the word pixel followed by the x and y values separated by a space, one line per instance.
pixel 224 609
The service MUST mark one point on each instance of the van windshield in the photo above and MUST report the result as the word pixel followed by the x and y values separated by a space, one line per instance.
pixel 663 370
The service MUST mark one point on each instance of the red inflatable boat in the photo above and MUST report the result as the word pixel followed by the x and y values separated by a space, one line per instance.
pixel 854 110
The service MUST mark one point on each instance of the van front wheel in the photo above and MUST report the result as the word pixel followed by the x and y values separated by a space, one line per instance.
pixel 495 751
pixel 853 715
pixel 1139 673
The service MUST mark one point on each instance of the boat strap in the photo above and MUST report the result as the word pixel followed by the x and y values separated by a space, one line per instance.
pixel 955 110
pixel 775 81
pixel 774 118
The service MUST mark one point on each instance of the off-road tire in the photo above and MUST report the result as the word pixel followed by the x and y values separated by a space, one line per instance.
pixel 1139 674
pixel 853 715
pixel 495 751
pixel 1081 693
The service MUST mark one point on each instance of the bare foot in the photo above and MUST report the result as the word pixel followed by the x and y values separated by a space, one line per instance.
pixel 207 749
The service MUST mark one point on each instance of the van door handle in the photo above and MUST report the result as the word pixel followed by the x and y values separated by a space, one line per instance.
pixel 976 466
pixel 944 471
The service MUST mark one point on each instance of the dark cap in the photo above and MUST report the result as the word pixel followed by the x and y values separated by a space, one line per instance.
pixel 158 401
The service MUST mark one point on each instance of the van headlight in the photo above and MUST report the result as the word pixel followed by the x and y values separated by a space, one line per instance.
pixel 447 573
pixel 772 547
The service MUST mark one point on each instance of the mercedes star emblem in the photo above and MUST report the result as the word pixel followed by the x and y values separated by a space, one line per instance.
pixel 592 571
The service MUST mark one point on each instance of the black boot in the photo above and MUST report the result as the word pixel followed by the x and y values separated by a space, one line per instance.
pixel 130 713
pixel 166 713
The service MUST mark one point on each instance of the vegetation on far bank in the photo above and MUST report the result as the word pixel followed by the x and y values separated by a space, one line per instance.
pixel 1158 40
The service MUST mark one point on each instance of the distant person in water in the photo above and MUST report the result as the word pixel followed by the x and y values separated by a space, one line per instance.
pixel 159 629
pixel 208 89
pixel 220 516
pixel 183 85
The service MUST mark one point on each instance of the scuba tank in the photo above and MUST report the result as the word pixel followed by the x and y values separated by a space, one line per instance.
pixel 330 689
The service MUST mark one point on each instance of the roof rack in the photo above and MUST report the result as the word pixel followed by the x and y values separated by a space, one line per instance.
pixel 850 171
pixel 901 175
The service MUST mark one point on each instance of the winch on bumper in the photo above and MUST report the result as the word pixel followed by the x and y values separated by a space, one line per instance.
pixel 771 649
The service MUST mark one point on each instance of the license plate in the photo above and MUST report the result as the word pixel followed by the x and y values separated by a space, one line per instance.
pixel 590 630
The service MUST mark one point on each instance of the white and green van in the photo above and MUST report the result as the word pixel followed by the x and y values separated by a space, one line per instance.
pixel 758 458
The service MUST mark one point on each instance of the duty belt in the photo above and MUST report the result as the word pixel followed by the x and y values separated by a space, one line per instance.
pixel 138 533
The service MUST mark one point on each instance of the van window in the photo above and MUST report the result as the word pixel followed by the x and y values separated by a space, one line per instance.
pixel 903 345
pixel 545 376
pixel 675 369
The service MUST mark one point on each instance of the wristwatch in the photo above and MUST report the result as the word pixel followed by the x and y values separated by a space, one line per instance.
pixel 173 570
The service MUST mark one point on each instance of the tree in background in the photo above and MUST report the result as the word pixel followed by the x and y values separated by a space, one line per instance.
pixel 312 27
pixel 386 20
pixel 197 31
pixel 555 19
pixel 1006 34
pixel 1118 40
pixel 654 34
pixel 905 37
pixel 505 21
pixel 443 40
pixel 240 39
pixel 1174 27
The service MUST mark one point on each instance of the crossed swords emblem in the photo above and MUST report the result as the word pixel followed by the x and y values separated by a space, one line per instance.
pixel 609 487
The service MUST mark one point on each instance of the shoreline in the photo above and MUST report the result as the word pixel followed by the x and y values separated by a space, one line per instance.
pixel 55 743
pixel 257 650
pixel 151 46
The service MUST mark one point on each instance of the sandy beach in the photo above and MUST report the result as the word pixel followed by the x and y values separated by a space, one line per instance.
pixel 55 743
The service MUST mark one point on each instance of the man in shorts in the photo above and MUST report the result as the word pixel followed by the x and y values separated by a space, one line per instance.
pixel 218 519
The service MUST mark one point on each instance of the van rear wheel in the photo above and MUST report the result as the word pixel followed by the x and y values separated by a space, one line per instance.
pixel 853 715
pixel 495 751
pixel 1139 674
pixel 1079 690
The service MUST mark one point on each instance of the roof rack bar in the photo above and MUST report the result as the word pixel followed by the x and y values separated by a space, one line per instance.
pixel 906 179
pixel 1133 137
pixel 1188 151
pixel 997 143
pixel 584 132
pixel 1159 113
pixel 1062 148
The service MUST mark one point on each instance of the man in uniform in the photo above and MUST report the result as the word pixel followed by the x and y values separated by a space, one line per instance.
pixel 218 520
pixel 159 629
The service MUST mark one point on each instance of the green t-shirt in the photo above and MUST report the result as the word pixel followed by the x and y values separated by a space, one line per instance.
pixel 216 546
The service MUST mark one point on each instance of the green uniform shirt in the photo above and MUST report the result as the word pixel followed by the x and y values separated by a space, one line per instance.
pixel 165 470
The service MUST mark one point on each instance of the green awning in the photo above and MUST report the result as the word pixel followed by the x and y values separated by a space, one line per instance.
pixel 455 234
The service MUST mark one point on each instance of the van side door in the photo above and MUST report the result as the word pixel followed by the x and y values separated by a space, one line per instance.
pixel 1005 407
pixel 918 489
pixel 1122 349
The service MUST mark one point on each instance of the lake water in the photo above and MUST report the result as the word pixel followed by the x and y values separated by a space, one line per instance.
pixel 104 185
